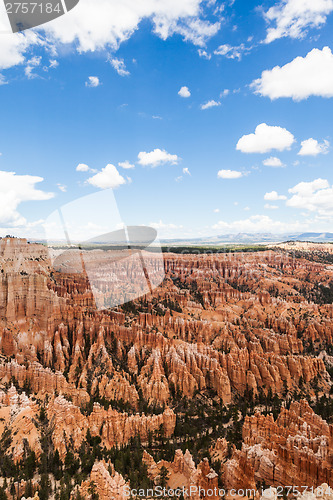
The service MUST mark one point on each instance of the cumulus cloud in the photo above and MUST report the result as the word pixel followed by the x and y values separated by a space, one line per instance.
pixel 303 77
pixel 14 46
pixel 93 81
pixel 107 178
pixel 274 196
pixel 210 104
pixel 119 66
pixel 162 225
pixel 274 162
pixel 258 224
pixel 186 171
pixel 315 196
pixel 229 174
pixel 157 157
pixel 15 189
pixel 84 29
pixel 184 92
pixel 265 139
pixel 82 167
pixel 168 230
pixel 126 164
pixel 115 22
pixel 311 147
pixel 268 206
pixel 292 18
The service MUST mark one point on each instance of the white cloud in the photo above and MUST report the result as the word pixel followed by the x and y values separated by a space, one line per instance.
pixel 311 147
pixel 93 81
pixel 33 63
pixel 303 77
pixel 83 30
pixel 216 210
pixel 314 196
pixel 204 54
pixel 274 162
pixel 82 167
pixel 119 66
pixel 157 157
pixel 126 164
pixel 184 92
pixel 53 63
pixel 168 230
pixel 271 207
pixel 274 196
pixel 186 171
pixel 162 225
pixel 14 46
pixel 259 224
pixel 229 174
pixel 265 139
pixel 225 93
pixel 210 104
pixel 108 177
pixel 15 189
pixel 230 52
pixel 195 31
pixel 115 22
pixel 62 187
pixel 292 17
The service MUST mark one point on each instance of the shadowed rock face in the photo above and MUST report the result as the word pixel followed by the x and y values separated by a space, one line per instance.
pixel 222 327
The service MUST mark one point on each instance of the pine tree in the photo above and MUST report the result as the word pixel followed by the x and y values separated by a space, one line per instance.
pixel 3 495
pixel 163 476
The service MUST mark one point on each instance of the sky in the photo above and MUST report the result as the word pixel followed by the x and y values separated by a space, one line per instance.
pixel 201 118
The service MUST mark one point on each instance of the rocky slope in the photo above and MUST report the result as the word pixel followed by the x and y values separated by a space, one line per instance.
pixel 198 364
pixel 295 449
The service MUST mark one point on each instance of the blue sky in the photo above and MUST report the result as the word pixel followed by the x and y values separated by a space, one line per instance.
pixel 102 86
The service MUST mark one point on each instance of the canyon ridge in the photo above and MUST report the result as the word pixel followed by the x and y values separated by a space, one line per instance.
pixel 219 378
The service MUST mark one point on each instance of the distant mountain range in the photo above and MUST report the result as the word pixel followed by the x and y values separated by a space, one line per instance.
pixel 146 235
pixel 252 238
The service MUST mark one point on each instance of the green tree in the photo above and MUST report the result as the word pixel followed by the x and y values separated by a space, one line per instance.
pixel 30 465
pixel 163 476
pixel 28 491
pixel 56 466
pixel 92 491
pixel 44 487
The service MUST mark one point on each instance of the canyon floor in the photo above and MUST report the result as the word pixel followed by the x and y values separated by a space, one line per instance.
pixel 221 377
